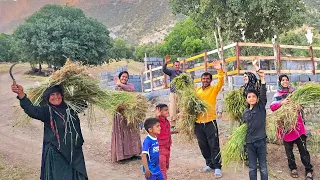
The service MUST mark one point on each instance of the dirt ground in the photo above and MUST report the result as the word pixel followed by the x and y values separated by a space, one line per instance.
pixel 21 147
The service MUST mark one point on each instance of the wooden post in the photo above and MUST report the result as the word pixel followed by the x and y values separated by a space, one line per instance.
pixel 238 57
pixel 151 78
pixel 312 60
pixel 165 77
pixel 142 82
pixel 278 59
pixel 205 58
pixel 184 65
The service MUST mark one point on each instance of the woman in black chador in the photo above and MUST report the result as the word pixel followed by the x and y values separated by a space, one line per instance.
pixel 62 155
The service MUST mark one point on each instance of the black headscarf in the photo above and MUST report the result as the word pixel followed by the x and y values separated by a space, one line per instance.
pixel 253 83
pixel 50 90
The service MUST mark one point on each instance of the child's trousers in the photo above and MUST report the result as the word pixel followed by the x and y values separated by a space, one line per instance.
pixel 258 151
pixel 158 176
pixel 164 160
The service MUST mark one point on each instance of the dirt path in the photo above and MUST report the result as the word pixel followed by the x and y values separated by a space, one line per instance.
pixel 21 146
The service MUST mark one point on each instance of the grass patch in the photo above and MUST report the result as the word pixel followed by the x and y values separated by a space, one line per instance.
pixel 34 77
pixel 9 172
pixel 134 67
pixel 4 67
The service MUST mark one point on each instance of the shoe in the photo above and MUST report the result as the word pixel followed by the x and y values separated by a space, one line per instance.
pixel 217 173
pixel 206 169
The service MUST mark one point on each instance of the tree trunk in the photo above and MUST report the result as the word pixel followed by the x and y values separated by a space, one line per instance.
pixel 217 44
pixel 222 53
pixel 40 68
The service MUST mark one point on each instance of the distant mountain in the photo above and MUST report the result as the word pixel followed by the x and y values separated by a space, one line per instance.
pixel 136 21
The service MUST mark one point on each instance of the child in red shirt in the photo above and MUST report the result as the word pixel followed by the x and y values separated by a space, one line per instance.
pixel 164 138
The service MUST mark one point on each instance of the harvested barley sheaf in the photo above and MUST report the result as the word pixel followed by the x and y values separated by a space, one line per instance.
pixel 191 106
pixel 81 90
pixel 286 116
pixel 235 104
pixel 233 149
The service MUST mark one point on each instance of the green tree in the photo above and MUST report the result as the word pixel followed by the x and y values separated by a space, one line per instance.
pixel 259 19
pixel 185 39
pixel 151 50
pixel 6 50
pixel 56 32
pixel 120 50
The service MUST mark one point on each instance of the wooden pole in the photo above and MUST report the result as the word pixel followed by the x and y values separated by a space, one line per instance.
pixel 278 59
pixel 312 60
pixel 165 77
pixel 142 82
pixel 238 57
pixel 184 65
pixel 205 58
pixel 151 78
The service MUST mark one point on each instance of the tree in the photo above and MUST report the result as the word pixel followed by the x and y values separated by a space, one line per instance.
pixel 259 19
pixel 56 32
pixel 151 50
pixel 185 39
pixel 6 42
pixel 120 50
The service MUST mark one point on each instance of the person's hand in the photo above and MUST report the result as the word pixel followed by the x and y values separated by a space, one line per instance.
pixel 167 59
pixel 217 65
pixel 254 61
pixel 18 89
pixel 147 173
pixel 285 101
pixel 121 107
pixel 297 107
pixel 157 111
pixel 261 74
pixel 117 81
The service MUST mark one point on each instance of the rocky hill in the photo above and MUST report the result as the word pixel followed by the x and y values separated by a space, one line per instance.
pixel 136 21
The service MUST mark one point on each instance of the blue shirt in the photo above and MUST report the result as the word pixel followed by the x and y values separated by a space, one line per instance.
pixel 151 148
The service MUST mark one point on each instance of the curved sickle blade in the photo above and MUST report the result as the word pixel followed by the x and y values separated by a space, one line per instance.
pixel 10 72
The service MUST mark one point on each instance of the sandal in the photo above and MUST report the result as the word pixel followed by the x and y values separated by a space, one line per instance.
pixel 294 173
pixel 308 177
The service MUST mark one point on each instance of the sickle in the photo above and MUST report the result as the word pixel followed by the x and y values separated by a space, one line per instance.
pixel 10 72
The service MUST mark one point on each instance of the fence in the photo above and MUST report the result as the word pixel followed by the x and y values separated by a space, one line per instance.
pixel 205 65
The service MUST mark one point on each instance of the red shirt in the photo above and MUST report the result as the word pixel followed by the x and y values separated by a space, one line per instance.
pixel 164 138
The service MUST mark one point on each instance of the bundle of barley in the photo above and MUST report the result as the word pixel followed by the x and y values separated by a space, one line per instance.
pixel 81 91
pixel 286 115
pixel 235 104
pixel 233 149
pixel 191 107
pixel 183 81
pixel 190 104
pixel 135 106
pixel 271 129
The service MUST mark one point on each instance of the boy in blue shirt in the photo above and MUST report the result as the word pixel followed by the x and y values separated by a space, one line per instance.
pixel 150 150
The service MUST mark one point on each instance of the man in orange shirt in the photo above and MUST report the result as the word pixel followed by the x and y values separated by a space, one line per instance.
pixel 206 129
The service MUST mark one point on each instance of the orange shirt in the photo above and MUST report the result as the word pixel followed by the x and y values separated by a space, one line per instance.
pixel 209 95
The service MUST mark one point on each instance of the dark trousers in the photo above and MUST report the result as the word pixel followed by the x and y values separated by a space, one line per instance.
pixel 304 154
pixel 257 151
pixel 208 140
